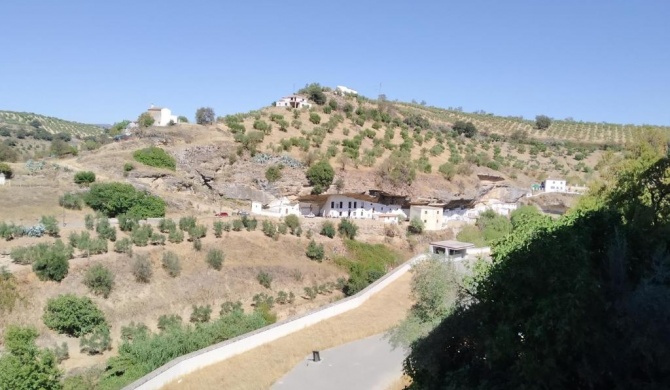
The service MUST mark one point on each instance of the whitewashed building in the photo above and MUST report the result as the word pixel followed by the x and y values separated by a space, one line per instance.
pixel 431 216
pixel 162 116
pixel 554 185
pixel 342 90
pixel 276 208
pixel 354 205
pixel 293 101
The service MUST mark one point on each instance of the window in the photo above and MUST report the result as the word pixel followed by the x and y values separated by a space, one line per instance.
pixel 355 205
pixel 332 205
pixel 340 204
pixel 425 211
pixel 349 204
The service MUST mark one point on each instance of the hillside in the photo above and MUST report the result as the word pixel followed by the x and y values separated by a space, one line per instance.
pixel 22 120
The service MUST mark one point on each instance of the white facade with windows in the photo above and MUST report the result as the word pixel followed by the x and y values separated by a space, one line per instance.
pixel 293 101
pixel 162 116
pixel 277 208
pixel 431 216
pixel 554 185
pixel 342 206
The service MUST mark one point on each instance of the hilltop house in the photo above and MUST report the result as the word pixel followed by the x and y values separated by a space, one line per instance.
pixel 371 205
pixel 342 90
pixel 294 101
pixel 554 185
pixel 430 215
pixel 162 116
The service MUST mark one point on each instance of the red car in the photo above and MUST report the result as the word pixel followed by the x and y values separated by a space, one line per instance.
pixel 222 214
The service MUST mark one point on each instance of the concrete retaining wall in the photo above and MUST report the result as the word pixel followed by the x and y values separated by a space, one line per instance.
pixel 219 352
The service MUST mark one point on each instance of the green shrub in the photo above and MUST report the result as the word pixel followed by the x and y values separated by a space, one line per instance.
pixel 347 229
pixel 215 258
pixel 84 178
pixel 197 244
pixel 6 170
pixel 176 236
pixel 282 228
pixel 166 321
pixel 197 232
pixel 471 234
pixel 97 342
pixel 311 292
pixel 72 315
pixel 99 280
pixel 24 366
pixel 229 307
pixel 127 222
pixel 415 226
pixel 314 118
pixel 105 230
pixel 127 167
pixel 320 176
pixel 269 228
pixel 166 225
pixel 71 201
pixel 10 231
pixel 238 225
pixel 293 223
pixel 187 223
pixel 89 222
pixel 155 157
pixel 226 226
pixel 142 269
pixel 141 235
pixel 201 314
pixel 50 225
pixel 28 254
pixel 315 251
pixel 365 264
pixel 79 240
pixel 9 293
pixel 448 170
pixel 157 239
pixel 53 264
pixel 171 264
pixel 95 246
pixel 273 173
pixel 218 229
pixel 249 223
pixel 61 352
pixel 124 245
pixel 113 199
pixel 264 278
pixel 327 229
pixel 262 125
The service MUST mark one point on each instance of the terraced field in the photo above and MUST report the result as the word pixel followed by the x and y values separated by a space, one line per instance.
pixel 52 125
pixel 585 132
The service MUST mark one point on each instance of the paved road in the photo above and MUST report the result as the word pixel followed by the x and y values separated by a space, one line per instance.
pixel 366 364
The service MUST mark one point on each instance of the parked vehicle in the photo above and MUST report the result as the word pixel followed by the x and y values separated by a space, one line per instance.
pixel 221 214
pixel 243 213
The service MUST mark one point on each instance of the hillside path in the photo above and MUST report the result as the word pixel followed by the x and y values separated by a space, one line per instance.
pixel 366 364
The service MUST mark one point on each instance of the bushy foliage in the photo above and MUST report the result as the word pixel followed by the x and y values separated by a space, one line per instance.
pixel 53 262
pixel 273 173
pixel 365 264
pixel 145 120
pixel 215 258
pixel 268 228
pixel 9 293
pixel 10 231
pixel 147 351
pixel 218 229
pixel 71 201
pixel 165 321
pixel 320 175
pixel 264 279
pixel 468 129
pixel 171 264
pixel 187 223
pixel 229 307
pixel 448 170
pixel 493 226
pixel 155 157
pixel 105 229
pixel 347 229
pixel 72 315
pixel 89 222
pixel 96 342
pixel 415 226
pixel 176 236
pixel 166 225
pixel 6 170
pixel 204 116
pixel 328 229
pixel 542 122
pixel 84 178
pixel 99 279
pixel 24 366
pixel 292 222
pixel 113 199
pixel 315 93
pixel 197 232
pixel 142 269
pixel 398 169
pixel 50 224
pixel 201 314
pixel 124 245
pixel 315 251
pixel 141 235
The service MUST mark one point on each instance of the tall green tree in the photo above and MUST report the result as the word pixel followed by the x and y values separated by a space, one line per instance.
pixel 320 175
pixel 24 366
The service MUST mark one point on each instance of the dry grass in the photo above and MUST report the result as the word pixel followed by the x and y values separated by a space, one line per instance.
pixel 262 366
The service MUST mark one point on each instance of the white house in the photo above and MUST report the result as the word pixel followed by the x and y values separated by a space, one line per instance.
pixel 342 90
pixel 450 249
pixel 554 185
pixel 376 205
pixel 2 179
pixel 294 101
pixel 162 116
pixel 431 216
pixel 277 208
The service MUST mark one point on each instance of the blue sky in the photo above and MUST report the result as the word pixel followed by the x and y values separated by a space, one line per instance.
pixel 100 62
